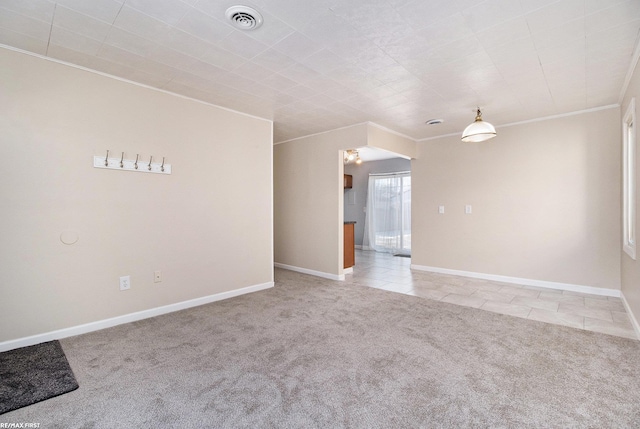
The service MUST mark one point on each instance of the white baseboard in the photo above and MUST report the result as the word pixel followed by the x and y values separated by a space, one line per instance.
pixel 127 318
pixel 521 281
pixel 310 272
pixel 358 246
pixel 348 270
pixel 632 317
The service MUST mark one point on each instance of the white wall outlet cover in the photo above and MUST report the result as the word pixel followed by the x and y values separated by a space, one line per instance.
pixel 467 209
pixel 440 209
pixel 125 282
pixel 157 276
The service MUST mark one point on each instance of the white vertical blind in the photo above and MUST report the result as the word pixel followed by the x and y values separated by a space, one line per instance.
pixel 387 226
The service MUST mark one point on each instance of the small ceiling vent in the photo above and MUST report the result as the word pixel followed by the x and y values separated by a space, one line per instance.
pixel 434 121
pixel 243 17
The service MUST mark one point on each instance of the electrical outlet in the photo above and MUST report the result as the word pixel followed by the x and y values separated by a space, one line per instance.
pixel 157 276
pixel 125 282
pixel 441 209
pixel 468 209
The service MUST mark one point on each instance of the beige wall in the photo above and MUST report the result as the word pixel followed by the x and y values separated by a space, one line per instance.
pixel 545 199
pixel 207 226
pixel 308 195
pixel 630 267
pixel 308 207
pixel 381 138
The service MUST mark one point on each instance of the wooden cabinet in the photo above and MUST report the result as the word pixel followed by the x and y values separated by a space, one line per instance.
pixel 348 181
pixel 349 245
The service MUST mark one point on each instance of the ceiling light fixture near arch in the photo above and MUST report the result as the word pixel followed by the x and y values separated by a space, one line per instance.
pixel 244 17
pixel 352 155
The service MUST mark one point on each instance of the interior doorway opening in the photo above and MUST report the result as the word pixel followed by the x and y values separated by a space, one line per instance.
pixel 391 175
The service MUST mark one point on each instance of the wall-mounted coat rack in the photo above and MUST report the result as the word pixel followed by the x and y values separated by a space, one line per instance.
pixel 138 164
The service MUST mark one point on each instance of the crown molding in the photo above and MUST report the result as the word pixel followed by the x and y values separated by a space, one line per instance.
pixel 632 68
pixel 131 82
pixel 529 121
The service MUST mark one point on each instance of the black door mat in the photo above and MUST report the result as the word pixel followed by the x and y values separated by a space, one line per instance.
pixel 32 374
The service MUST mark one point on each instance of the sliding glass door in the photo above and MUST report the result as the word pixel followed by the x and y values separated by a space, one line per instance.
pixel 388 219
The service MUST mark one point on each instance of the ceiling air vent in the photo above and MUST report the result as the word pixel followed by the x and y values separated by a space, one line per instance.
pixel 243 17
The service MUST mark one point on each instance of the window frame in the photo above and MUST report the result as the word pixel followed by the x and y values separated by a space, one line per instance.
pixel 630 168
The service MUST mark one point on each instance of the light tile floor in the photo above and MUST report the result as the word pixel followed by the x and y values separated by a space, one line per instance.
pixel 578 310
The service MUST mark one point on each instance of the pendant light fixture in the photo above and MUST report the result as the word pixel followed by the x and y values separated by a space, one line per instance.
pixel 479 130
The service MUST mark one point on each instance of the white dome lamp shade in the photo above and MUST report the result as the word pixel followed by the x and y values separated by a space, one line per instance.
pixel 479 130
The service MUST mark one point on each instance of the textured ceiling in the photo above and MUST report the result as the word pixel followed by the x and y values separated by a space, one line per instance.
pixel 317 65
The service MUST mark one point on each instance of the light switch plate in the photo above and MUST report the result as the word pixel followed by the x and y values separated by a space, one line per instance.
pixel 468 209
pixel 441 209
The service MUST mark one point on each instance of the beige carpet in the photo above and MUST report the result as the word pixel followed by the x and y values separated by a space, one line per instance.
pixel 318 353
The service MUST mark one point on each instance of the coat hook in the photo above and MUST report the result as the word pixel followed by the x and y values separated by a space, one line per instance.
pixel 136 163
pixel 106 160
pixel 149 166
pixel 162 166
pixel 121 160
